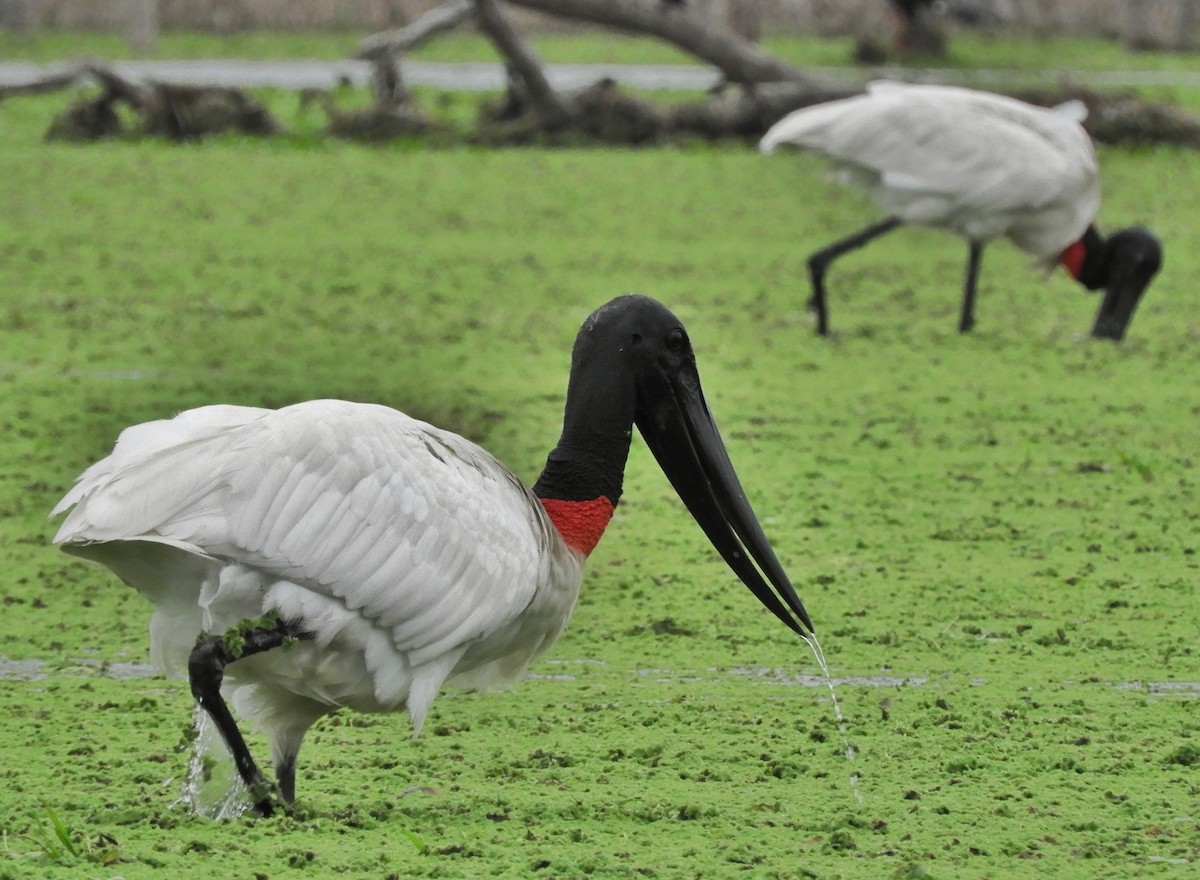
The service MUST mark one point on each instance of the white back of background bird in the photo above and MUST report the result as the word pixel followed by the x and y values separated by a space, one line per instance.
pixel 983 166
pixel 977 163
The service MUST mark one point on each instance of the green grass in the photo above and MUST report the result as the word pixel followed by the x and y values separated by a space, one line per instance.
pixel 1007 518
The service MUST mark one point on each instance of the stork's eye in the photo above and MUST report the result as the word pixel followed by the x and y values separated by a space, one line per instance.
pixel 676 339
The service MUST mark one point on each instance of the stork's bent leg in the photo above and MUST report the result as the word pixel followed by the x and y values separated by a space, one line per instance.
pixel 967 320
pixel 206 670
pixel 819 263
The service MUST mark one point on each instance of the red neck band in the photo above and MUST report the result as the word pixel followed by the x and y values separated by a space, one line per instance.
pixel 1072 258
pixel 581 523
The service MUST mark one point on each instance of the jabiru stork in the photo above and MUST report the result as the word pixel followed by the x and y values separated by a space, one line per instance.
pixel 332 554
pixel 984 166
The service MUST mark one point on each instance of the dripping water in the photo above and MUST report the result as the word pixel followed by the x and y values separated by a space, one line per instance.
pixel 847 749
pixel 212 786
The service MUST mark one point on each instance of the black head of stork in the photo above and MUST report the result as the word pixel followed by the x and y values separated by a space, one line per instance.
pixel 1122 265
pixel 633 364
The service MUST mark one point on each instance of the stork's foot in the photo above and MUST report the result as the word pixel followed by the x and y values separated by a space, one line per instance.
pixel 265 797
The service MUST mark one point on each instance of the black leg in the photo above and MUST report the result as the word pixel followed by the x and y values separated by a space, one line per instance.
pixel 967 320
pixel 819 263
pixel 285 775
pixel 206 669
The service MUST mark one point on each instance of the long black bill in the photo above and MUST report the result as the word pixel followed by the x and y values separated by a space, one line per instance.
pixel 1135 256
pixel 681 433
pixel 1116 311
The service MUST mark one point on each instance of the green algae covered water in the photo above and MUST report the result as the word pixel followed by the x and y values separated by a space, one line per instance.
pixel 996 534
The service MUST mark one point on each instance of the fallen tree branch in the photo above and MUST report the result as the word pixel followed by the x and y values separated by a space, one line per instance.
pixel 177 112
pixel 524 63
pixel 738 59
pixel 412 35
pixel 747 112
pixel 1122 118
pixel 119 88
pixel 53 82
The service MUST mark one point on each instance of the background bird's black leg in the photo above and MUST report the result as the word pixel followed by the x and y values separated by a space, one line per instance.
pixel 206 670
pixel 819 263
pixel 967 320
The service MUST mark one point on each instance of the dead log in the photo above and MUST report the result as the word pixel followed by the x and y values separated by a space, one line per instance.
pixel 747 112
pixel 177 112
pixel 531 111
pixel 393 114
pixel 184 112
pixel 119 88
pixel 598 113
pixel 53 82
pixel 92 119
pixel 738 59
pixel 545 104
pixel 1122 118
pixel 409 37
pixel 604 113
pixel 375 124
pixel 188 112
pixel 387 82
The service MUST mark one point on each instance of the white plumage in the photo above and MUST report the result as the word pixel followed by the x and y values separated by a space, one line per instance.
pixel 980 164
pixel 343 554
pixel 984 166
pixel 375 529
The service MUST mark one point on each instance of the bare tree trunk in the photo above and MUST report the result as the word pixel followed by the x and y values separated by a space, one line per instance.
pixel 738 59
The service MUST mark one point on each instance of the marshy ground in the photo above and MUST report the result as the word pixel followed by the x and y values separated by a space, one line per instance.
pixel 996 534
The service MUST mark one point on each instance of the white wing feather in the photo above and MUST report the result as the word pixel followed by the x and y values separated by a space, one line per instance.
pixel 982 164
pixel 409 552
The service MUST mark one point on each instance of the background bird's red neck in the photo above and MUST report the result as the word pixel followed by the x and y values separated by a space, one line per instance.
pixel 1085 259
pixel 1072 258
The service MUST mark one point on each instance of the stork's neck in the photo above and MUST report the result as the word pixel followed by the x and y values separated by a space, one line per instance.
pixel 581 483
pixel 1086 259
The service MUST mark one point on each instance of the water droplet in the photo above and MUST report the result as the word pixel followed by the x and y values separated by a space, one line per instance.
pixel 847 749
pixel 212 786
